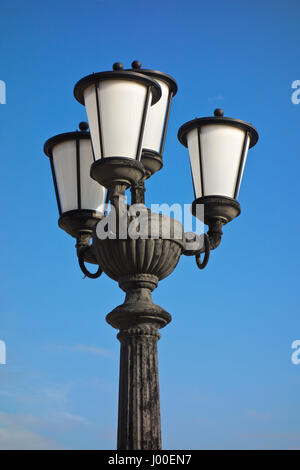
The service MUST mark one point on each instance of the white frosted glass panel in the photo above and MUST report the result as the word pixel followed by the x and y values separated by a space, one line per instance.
pixel 64 157
pixel 192 141
pixel 92 193
pixel 91 111
pixel 246 152
pixel 121 105
pixel 155 120
pixel 221 148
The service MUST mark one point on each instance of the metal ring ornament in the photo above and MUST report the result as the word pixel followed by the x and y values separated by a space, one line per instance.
pixel 202 264
pixel 85 271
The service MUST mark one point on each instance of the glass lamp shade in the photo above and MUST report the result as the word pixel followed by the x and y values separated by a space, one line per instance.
pixel 71 157
pixel 117 104
pixel 158 115
pixel 218 148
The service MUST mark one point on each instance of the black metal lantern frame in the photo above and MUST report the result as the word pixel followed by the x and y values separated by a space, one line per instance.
pixel 79 223
pixel 113 171
pixel 219 119
pixel 95 78
pixel 151 159
pixel 218 209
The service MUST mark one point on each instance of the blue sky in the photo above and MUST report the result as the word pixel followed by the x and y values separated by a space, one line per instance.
pixel 226 376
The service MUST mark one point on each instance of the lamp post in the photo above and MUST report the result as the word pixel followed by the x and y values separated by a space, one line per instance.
pixel 128 113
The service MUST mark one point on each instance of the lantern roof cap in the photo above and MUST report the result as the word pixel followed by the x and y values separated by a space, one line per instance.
pixel 59 138
pixel 119 74
pixel 218 118
pixel 156 74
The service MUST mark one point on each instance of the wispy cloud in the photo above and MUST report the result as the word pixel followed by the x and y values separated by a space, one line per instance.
pixel 57 394
pixel 52 394
pixel 77 348
pixel 256 415
pixel 69 420
pixel 17 433
pixel 274 440
pixel 25 431
pixel 92 350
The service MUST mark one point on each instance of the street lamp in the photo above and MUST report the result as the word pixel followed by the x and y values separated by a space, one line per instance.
pixel 218 148
pixel 80 199
pixel 128 113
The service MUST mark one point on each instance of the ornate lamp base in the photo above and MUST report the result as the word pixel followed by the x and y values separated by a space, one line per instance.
pixel 152 161
pixel 80 224
pixel 138 265
pixel 111 171
pixel 217 207
pixel 78 221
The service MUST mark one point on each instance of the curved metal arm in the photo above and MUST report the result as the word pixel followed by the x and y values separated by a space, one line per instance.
pixel 202 264
pixel 215 233
pixel 211 241
pixel 85 271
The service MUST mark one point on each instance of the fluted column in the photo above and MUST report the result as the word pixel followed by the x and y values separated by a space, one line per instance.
pixel 139 405
pixel 138 320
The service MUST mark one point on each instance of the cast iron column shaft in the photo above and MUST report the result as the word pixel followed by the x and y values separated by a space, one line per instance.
pixel 138 193
pixel 139 406
pixel 138 320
